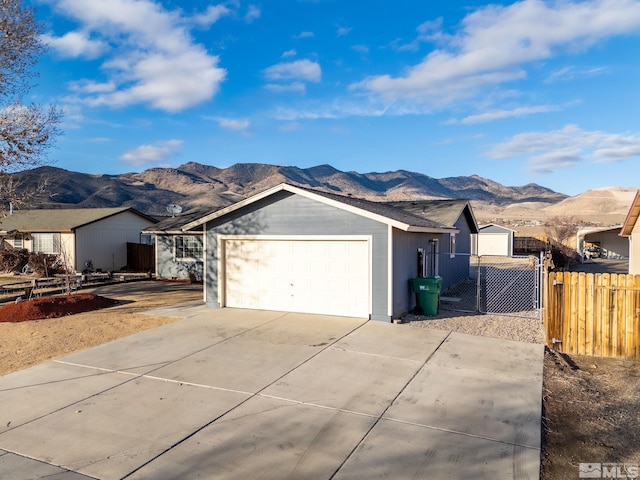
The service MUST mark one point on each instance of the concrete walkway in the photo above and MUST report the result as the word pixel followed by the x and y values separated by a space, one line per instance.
pixel 256 394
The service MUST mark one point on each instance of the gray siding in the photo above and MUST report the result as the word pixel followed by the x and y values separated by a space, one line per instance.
pixel 167 267
pixel 285 213
pixel 456 270
pixel 405 267
pixel 405 262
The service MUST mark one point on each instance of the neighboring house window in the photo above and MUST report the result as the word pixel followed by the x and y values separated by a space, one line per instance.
pixel 188 247
pixel 46 242
pixel 18 243
pixel 452 245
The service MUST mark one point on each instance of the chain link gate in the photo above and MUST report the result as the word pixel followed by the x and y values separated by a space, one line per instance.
pixel 499 285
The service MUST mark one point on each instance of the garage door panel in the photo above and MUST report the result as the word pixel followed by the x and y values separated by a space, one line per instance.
pixel 311 276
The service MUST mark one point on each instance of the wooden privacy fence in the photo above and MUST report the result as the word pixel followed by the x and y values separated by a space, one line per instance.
pixel 593 314
pixel 140 257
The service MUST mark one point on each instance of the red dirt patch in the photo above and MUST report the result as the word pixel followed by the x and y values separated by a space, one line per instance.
pixel 53 307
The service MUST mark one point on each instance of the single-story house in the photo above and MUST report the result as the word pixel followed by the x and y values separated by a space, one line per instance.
pixel 493 239
pixel 178 253
pixel 602 242
pixel 297 249
pixel 79 235
pixel 631 230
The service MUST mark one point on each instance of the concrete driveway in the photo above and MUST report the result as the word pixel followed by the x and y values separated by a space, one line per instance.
pixel 272 395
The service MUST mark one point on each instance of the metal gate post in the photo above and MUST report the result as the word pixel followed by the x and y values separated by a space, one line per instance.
pixel 478 283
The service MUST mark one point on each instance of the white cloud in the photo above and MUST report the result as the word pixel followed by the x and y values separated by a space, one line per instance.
pixel 340 108
pixel 296 87
pixel 305 35
pixel 211 15
pixel 304 70
pixel 157 152
pixel 234 124
pixel 75 44
pixel 88 86
pixel 500 114
pixel 290 127
pixel 571 73
pixel 360 48
pixel 253 13
pixel 342 31
pixel 495 42
pixel 552 161
pixel 550 151
pixel 289 53
pixel 155 61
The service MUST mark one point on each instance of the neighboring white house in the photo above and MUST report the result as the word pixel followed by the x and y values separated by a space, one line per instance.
pixel 631 230
pixel 78 235
pixel 493 239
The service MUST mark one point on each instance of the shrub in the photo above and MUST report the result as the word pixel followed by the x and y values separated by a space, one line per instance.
pixel 46 265
pixel 564 258
pixel 13 259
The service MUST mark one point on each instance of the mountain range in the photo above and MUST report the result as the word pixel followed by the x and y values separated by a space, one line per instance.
pixel 197 185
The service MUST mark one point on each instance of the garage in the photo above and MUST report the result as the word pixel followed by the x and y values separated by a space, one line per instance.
pixel 297 249
pixel 328 275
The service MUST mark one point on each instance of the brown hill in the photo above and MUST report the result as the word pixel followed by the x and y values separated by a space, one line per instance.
pixel 194 184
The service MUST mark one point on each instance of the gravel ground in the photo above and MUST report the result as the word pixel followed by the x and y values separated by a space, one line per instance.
pixel 520 329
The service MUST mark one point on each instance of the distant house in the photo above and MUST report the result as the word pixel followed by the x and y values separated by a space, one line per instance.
pixel 99 235
pixel 296 249
pixel 493 239
pixel 631 230
pixel 179 253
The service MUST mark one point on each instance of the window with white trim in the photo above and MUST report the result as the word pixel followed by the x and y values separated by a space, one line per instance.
pixel 18 243
pixel 46 242
pixel 187 247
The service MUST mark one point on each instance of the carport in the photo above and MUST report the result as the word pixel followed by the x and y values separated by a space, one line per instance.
pixel 237 393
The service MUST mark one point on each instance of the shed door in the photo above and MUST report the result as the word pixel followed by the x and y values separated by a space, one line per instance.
pixel 493 244
pixel 311 276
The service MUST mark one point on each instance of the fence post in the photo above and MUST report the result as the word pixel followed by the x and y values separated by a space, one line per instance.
pixel 478 283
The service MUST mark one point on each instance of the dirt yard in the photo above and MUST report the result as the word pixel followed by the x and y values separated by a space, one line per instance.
pixel 29 343
pixel 590 413
pixel 590 405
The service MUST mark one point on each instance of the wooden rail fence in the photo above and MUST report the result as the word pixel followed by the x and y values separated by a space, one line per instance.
pixel 593 314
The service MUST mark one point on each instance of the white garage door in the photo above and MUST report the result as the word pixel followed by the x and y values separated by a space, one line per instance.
pixel 311 276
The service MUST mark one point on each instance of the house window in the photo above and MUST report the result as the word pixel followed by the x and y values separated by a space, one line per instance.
pixel 18 243
pixel 452 245
pixel 46 242
pixel 188 247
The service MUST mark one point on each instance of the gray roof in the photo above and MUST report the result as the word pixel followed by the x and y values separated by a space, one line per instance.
pixel 175 224
pixel 437 216
pixel 442 212
pixel 59 220
pixel 391 210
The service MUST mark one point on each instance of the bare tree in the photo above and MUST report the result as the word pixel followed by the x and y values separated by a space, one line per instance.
pixel 560 229
pixel 26 131
pixel 21 193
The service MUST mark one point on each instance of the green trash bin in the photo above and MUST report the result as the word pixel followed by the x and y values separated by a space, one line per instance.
pixel 427 292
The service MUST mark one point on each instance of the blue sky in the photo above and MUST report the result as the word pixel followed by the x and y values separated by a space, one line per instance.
pixel 518 92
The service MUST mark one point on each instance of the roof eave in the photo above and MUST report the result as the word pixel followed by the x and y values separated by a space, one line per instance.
pixel 418 229
pixel 632 217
